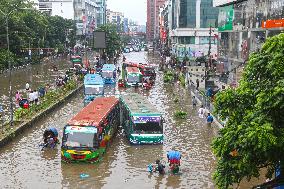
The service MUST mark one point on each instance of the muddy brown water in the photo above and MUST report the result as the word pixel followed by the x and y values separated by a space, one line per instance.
pixel 24 165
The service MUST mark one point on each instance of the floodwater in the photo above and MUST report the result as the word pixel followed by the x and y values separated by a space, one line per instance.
pixel 24 165
pixel 35 75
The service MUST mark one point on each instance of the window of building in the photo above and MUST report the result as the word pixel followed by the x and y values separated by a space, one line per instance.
pixel 205 40
pixel 208 14
pixel 186 40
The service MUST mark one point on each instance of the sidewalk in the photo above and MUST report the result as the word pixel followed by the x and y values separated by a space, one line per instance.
pixel 202 100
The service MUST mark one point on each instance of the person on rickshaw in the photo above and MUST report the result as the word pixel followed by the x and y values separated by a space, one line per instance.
pixel 174 160
pixel 50 137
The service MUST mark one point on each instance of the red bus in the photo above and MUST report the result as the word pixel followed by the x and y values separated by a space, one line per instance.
pixel 87 134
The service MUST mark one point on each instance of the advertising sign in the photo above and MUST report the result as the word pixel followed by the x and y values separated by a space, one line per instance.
pixel 145 119
pixel 99 40
pixel 225 18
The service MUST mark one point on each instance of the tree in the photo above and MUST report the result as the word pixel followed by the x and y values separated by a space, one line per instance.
pixel 113 40
pixel 31 28
pixel 253 137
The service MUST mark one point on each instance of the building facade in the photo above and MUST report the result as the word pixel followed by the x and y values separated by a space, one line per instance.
pixel 193 28
pixel 153 11
pixel 63 8
pixel 243 28
pixel 101 12
pixel 85 16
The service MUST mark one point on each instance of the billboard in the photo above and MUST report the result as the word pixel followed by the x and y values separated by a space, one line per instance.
pixel 225 19
pixel 217 3
pixel 99 40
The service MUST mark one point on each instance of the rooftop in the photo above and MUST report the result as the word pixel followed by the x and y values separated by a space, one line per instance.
pixel 95 112
pixel 93 79
pixel 138 104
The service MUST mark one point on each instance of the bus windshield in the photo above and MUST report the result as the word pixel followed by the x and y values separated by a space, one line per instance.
pixel 94 89
pixel 107 74
pixel 133 78
pixel 80 137
pixel 148 128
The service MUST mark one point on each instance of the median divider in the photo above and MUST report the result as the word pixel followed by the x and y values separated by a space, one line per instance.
pixel 11 132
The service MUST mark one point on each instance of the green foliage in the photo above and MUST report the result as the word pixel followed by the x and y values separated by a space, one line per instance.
pixel 182 79
pixel 255 126
pixel 113 40
pixel 31 28
pixel 180 114
pixel 168 76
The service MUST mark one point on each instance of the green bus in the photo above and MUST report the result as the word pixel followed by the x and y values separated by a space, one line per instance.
pixel 141 121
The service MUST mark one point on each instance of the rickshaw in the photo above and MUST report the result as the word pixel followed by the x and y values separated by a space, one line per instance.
pixel 50 137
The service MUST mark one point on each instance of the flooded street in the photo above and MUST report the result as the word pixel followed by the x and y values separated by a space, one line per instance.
pixel 36 75
pixel 24 165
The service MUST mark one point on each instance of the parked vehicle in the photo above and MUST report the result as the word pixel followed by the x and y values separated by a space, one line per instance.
pixel 87 135
pixel 141 121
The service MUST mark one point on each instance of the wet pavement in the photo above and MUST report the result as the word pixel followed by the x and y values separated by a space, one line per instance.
pixel 24 165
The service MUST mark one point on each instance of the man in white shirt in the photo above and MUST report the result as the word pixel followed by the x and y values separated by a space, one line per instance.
pixel 201 112
pixel 35 95
pixel 31 97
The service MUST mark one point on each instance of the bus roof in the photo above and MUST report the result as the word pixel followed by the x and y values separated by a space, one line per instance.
pixel 139 105
pixel 95 112
pixel 93 79
pixel 132 70
pixel 140 65
pixel 108 67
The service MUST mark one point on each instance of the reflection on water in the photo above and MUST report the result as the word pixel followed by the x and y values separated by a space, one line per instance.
pixel 24 165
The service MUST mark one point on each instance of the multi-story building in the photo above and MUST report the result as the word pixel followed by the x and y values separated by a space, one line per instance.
pixel 193 29
pixel 166 23
pixel 114 17
pixel 63 8
pixel 85 16
pixel 243 27
pixel 82 11
pixel 153 10
pixel 101 12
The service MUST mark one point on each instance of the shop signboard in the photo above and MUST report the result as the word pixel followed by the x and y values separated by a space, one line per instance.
pixel 225 19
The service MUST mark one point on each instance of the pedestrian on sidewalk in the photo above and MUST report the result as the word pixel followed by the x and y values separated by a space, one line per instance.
pixel 18 97
pixel 209 119
pixel 201 112
pixel 31 97
pixel 194 102
pixel 197 84
pixel 35 94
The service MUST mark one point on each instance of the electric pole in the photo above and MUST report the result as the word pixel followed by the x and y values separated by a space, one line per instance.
pixel 209 49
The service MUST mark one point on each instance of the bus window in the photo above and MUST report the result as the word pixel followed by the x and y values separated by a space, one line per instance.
pixel 107 74
pixel 93 90
pixel 133 78
pixel 148 128
pixel 79 139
